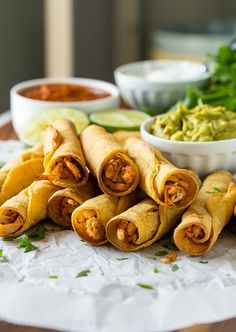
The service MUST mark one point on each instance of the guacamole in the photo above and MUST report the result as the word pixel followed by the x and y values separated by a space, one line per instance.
pixel 201 124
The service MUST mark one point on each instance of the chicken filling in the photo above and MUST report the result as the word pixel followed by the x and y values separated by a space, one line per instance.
pixel 11 221
pixel 127 231
pixel 93 226
pixel 67 168
pixel 118 175
pixel 175 191
pixel 194 232
pixel 68 205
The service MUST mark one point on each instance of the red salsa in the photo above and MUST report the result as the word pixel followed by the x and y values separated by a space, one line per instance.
pixel 63 92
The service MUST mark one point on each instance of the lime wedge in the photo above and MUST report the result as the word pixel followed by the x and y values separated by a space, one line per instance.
pixel 33 132
pixel 119 119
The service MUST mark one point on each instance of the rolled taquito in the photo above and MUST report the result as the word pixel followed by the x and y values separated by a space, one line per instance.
pixel 168 185
pixel 20 172
pixel 205 218
pixel 122 135
pixel 27 208
pixel 89 219
pixel 64 161
pixel 141 225
pixel 116 173
pixel 63 202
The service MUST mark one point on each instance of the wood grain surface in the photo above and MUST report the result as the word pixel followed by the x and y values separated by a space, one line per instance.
pixel 7 132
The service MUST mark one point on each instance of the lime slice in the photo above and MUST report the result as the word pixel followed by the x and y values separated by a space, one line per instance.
pixel 33 132
pixel 119 119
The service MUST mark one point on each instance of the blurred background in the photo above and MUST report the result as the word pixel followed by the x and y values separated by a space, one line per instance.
pixel 91 38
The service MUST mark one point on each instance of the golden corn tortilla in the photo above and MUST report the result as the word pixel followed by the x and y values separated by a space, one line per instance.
pixel 64 161
pixel 141 225
pixel 205 218
pixel 27 208
pixel 20 172
pixel 166 184
pixel 122 135
pixel 89 219
pixel 63 202
pixel 116 173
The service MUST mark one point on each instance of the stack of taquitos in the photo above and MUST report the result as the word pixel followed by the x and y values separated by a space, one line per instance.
pixel 116 173
pixel 174 187
pixel 90 219
pixel 141 225
pixel 20 172
pixel 203 221
pixel 64 161
pixel 25 209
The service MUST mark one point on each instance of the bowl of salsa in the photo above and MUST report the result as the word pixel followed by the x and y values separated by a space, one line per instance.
pixel 85 94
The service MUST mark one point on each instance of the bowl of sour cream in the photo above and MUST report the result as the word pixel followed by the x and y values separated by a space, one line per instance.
pixel 158 84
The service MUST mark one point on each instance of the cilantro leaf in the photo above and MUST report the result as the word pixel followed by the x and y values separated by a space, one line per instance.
pixel 121 258
pixel 153 258
pixel 24 242
pixel 53 276
pixel 39 233
pixel 145 286
pixel 83 273
pixel 1 253
pixel 203 262
pixel 161 253
pixel 155 270
pixel 170 245
pixel 1 164
pixel 174 267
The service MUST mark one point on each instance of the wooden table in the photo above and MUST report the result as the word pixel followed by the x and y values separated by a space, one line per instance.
pixel 7 132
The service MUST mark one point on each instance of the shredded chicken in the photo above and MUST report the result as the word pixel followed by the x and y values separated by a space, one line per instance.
pixel 118 175
pixel 11 220
pixel 169 259
pixel 175 190
pixel 93 225
pixel 66 167
pixel 127 230
pixel 195 232
pixel 68 205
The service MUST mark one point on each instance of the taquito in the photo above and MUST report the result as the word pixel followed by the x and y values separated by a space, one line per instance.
pixel 63 202
pixel 20 172
pixel 168 185
pixel 141 225
pixel 122 135
pixel 89 219
pixel 26 208
pixel 116 173
pixel 64 161
pixel 203 221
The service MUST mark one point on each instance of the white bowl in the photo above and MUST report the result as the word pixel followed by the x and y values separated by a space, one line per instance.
pixel 139 90
pixel 22 108
pixel 204 157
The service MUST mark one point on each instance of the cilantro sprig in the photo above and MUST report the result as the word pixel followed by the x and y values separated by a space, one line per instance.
pixel 83 273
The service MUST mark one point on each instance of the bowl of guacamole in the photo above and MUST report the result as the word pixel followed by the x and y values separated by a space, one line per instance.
pixel 199 124
pixel 202 138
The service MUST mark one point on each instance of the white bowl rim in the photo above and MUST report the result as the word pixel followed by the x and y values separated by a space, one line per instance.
pixel 163 140
pixel 109 87
pixel 118 72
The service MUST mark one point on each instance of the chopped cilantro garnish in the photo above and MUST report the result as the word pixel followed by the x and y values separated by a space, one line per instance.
pixel 203 262
pixel 1 164
pixel 153 258
pixel 53 277
pixel 24 242
pixel 83 273
pixel 155 270
pixel 161 253
pixel 170 245
pixel 1 253
pixel 39 233
pixel 121 258
pixel 145 286
pixel 174 267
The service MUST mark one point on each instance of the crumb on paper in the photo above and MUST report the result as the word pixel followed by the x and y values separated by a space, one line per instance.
pixel 169 259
